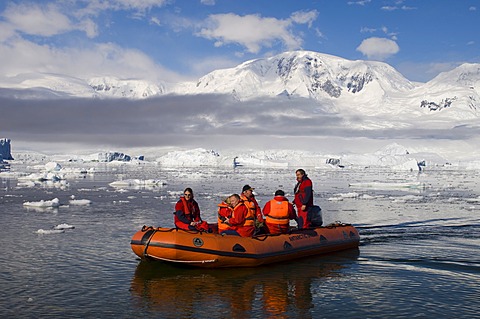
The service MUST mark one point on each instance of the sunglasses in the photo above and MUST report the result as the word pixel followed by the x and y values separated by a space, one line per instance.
pixel 187 194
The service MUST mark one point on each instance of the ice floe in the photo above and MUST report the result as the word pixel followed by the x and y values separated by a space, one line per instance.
pixel 50 231
pixel 80 202
pixel 138 183
pixel 63 226
pixel 43 203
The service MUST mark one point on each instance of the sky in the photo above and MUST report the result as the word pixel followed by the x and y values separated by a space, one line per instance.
pixel 178 40
pixel 173 41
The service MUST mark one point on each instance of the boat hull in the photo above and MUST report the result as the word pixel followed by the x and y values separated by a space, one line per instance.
pixel 213 250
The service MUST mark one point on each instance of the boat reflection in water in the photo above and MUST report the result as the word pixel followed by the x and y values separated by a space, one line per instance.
pixel 280 290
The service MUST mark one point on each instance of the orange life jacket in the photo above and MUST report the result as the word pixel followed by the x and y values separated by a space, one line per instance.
pixel 250 218
pixel 278 213
pixel 250 205
pixel 224 212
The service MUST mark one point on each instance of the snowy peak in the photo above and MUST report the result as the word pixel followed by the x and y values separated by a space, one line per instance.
pixel 48 85
pixel 466 75
pixel 113 87
pixel 303 74
pixel 457 90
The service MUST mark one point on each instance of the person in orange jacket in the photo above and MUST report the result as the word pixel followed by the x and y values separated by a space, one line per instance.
pixel 278 213
pixel 249 199
pixel 187 213
pixel 241 221
pixel 224 212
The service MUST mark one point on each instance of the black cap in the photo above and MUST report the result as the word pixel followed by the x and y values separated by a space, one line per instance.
pixel 246 188
pixel 279 193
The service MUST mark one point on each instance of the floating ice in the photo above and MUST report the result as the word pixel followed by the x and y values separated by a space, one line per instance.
pixel 50 231
pixel 43 203
pixel 138 183
pixel 52 167
pixel 45 176
pixel 63 227
pixel 386 185
pixel 80 202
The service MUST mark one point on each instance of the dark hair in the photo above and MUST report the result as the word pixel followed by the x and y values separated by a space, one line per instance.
pixel 246 188
pixel 301 170
pixel 188 189
pixel 279 193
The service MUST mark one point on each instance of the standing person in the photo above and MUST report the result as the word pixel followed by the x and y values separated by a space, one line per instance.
pixel 249 199
pixel 187 213
pixel 241 221
pixel 303 197
pixel 278 213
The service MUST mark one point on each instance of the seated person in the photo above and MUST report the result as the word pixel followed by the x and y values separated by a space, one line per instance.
pixel 240 221
pixel 278 212
pixel 187 213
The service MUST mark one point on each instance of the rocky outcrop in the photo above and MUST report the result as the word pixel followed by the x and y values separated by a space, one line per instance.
pixel 5 149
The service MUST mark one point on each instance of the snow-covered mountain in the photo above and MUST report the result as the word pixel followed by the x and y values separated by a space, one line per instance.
pixel 113 87
pixel 304 74
pixel 365 87
pixel 351 87
pixel 48 85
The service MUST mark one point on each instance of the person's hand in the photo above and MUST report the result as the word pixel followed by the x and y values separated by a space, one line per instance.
pixel 304 207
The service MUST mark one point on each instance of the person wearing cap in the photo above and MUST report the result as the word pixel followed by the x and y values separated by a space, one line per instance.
pixel 240 221
pixel 187 213
pixel 249 199
pixel 278 213
pixel 303 197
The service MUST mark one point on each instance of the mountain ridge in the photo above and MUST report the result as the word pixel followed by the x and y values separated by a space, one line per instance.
pixel 374 87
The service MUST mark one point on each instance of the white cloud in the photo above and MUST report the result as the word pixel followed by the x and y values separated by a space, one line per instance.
pixel 367 30
pixel 389 8
pixel 378 48
pixel 393 8
pixel 34 19
pixel 138 5
pixel 304 17
pixel 360 2
pixel 105 59
pixel 6 31
pixel 44 20
pixel 211 63
pixel 208 2
pixel 155 20
pixel 253 31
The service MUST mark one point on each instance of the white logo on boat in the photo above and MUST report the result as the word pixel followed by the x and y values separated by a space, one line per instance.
pixel 197 242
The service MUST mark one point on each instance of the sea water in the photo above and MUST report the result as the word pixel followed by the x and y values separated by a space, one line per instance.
pixel 418 256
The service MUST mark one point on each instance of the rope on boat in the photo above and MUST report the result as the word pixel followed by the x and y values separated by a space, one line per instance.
pixel 148 242
pixel 160 229
pixel 185 261
pixel 336 224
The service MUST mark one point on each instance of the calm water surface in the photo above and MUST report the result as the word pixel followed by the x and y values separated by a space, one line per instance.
pixel 419 254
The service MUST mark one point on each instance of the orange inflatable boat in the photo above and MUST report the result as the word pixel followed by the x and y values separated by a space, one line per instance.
pixel 212 250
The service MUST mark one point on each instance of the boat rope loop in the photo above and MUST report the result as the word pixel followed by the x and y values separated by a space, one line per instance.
pixel 160 229
pixel 186 261
pixel 337 224
pixel 146 228
pixel 148 242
